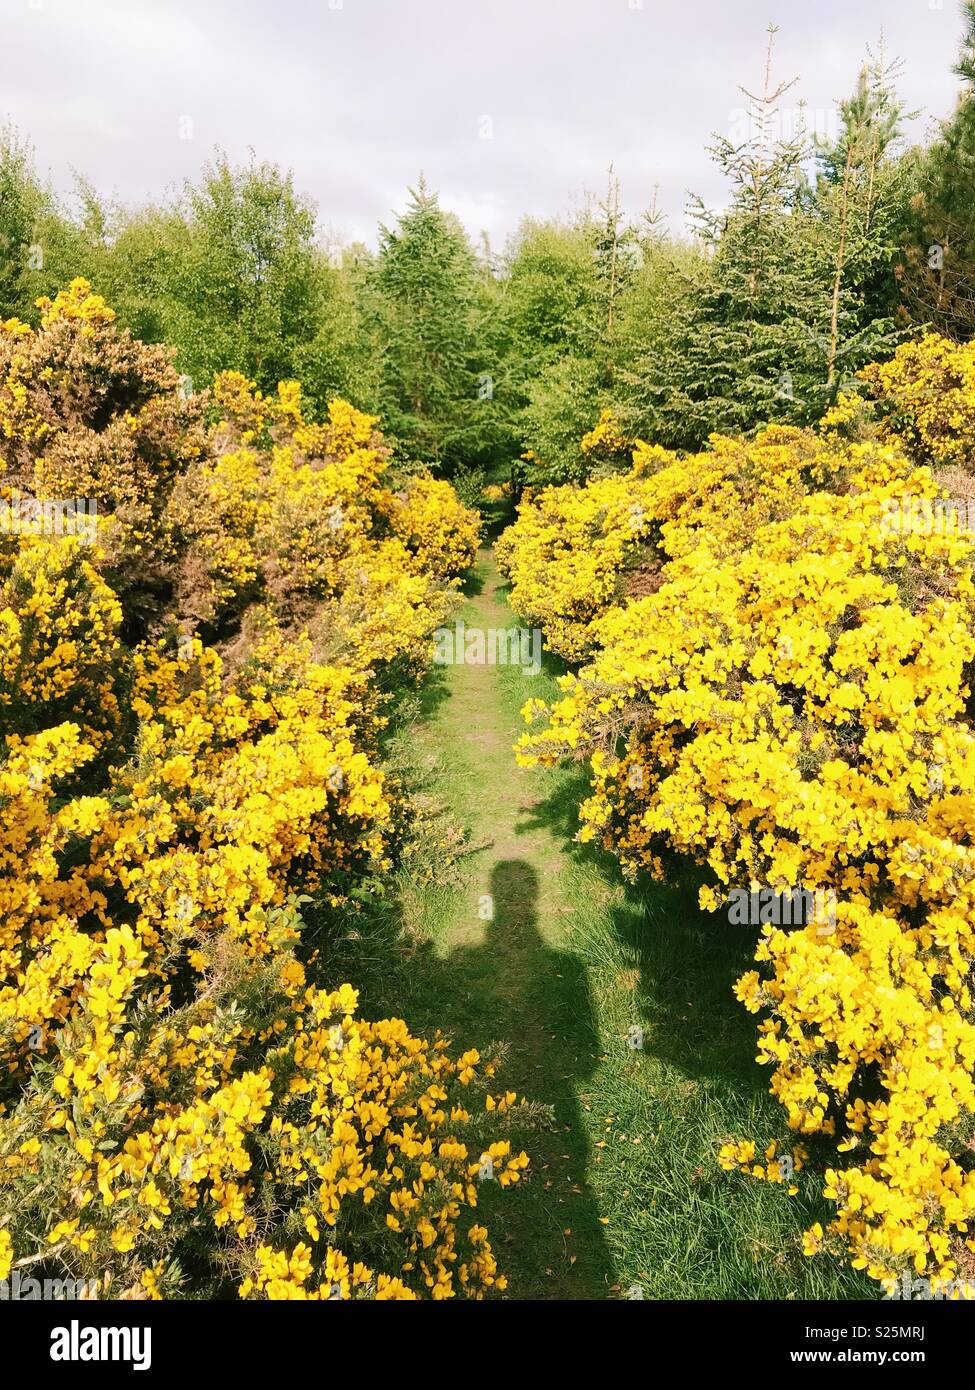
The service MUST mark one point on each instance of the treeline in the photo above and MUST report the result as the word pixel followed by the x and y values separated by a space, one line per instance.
pixel 828 252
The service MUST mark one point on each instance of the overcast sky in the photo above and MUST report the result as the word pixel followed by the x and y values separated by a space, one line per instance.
pixel 509 107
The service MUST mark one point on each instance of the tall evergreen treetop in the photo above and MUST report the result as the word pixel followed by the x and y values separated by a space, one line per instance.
pixel 425 280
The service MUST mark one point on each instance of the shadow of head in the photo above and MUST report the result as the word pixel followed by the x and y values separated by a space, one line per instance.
pixel 514 888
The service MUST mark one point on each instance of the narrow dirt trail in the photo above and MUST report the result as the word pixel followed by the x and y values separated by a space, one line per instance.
pixel 509 971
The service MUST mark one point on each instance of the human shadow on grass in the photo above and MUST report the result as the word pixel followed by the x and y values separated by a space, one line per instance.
pixel 514 989
pixel 681 964
pixel 517 988
pixel 686 960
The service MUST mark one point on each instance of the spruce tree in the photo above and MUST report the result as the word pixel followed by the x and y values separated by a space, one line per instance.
pixel 616 251
pixel 857 202
pixel 938 273
pixel 425 290
pixel 751 358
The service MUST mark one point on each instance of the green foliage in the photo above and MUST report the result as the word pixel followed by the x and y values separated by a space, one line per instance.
pixel 469 485
pixel 22 202
pixel 40 245
pixel 344 356
pixel 938 273
pixel 564 405
pixel 423 305
pixel 820 259
pixel 790 289
pixel 242 290
pixel 858 196
pixel 656 392
pixel 551 297
pixel 546 335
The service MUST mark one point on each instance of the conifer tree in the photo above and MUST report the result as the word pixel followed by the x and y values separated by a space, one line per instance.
pixel 616 252
pixel 938 274
pixel 856 206
pixel 425 289
pixel 751 357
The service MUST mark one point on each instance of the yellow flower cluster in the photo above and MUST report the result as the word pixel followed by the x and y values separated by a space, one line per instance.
pixel 789 707
pixel 77 303
pixel 568 556
pixel 435 527
pixel 185 1099
pixel 60 655
pixel 926 398
pixel 17 418
pixel 259 1124
pixel 574 553
pixel 87 413
pixel 294 514
pixel 496 492
pixel 606 446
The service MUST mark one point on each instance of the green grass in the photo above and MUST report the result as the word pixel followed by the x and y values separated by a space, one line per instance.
pixel 625 1192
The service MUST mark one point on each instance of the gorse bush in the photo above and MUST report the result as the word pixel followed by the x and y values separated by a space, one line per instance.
pixel 190 1106
pixel 60 653
pixel 785 699
pixel 925 397
pixel 86 412
pixel 566 555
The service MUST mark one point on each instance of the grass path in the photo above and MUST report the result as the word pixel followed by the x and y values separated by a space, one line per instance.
pixel 625 1197
pixel 512 975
